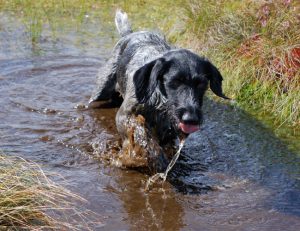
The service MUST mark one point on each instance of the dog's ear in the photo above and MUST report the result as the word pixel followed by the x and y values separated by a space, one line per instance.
pixel 215 81
pixel 146 79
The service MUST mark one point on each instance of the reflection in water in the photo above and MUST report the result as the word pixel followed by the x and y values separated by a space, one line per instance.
pixel 155 210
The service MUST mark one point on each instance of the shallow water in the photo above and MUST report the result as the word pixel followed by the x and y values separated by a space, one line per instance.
pixel 234 174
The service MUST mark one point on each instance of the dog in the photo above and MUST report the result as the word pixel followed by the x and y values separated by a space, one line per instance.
pixel 162 84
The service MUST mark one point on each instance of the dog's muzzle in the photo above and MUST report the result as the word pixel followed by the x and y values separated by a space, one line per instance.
pixel 189 122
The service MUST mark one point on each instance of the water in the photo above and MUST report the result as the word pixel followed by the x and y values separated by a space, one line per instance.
pixel 234 174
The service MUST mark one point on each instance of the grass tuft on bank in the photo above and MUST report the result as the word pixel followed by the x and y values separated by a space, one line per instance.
pixel 256 45
pixel 31 201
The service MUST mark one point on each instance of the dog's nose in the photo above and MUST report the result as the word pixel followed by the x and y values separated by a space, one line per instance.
pixel 190 118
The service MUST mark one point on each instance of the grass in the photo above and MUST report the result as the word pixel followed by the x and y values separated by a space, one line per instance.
pixel 58 14
pixel 30 201
pixel 256 45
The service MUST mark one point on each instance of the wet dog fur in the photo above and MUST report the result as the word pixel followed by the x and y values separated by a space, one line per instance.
pixel 151 78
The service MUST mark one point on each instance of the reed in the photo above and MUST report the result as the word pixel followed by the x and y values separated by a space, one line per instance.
pixel 29 200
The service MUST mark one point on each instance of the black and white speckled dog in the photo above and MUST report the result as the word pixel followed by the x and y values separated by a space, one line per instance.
pixel 164 84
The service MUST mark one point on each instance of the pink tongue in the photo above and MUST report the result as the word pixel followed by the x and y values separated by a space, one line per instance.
pixel 188 128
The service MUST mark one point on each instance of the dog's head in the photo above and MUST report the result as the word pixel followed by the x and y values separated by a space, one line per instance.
pixel 181 78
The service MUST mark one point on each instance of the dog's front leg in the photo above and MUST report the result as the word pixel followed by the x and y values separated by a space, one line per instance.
pixel 139 148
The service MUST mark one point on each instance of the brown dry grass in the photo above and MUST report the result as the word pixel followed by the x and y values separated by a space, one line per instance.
pixel 29 200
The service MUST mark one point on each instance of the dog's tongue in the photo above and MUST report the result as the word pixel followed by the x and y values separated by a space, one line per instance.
pixel 188 128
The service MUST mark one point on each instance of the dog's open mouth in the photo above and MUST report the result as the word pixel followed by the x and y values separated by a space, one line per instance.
pixel 188 128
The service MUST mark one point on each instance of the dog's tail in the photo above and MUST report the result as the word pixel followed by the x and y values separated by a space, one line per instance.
pixel 122 23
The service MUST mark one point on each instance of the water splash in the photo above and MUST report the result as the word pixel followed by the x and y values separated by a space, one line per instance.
pixel 163 175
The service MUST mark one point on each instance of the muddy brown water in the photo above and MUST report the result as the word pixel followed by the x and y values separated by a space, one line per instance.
pixel 234 174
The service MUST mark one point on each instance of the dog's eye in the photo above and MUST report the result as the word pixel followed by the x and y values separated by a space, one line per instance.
pixel 178 81
pixel 175 83
pixel 200 83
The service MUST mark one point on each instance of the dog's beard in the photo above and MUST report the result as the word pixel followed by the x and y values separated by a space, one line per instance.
pixel 164 112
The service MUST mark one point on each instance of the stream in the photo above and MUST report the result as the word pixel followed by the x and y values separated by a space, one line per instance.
pixel 233 174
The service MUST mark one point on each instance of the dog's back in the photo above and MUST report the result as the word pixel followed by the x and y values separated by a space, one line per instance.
pixel 131 52
pixel 134 50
